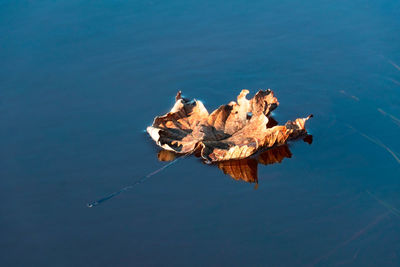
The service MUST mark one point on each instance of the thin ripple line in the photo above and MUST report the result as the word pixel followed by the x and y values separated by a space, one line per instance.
pixel 126 188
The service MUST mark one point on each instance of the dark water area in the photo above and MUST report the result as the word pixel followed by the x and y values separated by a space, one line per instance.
pixel 81 80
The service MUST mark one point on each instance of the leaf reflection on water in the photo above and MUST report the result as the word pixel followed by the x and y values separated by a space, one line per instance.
pixel 245 169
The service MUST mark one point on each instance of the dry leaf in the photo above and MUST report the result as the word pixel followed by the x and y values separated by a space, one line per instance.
pixel 233 131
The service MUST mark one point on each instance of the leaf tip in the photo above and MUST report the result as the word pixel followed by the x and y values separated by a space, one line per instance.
pixel 178 95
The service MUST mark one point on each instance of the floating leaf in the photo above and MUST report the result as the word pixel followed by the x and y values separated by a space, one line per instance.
pixel 233 131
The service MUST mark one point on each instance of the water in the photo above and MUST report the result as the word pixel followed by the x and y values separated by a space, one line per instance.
pixel 81 80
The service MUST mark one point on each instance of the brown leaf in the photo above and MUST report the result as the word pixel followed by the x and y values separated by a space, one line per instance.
pixel 180 129
pixel 233 131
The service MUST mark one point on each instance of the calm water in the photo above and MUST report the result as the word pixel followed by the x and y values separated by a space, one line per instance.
pixel 81 80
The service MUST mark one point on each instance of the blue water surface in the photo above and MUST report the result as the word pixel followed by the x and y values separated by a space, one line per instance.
pixel 81 80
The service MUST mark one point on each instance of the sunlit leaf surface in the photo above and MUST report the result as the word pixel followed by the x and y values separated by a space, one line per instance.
pixel 233 131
